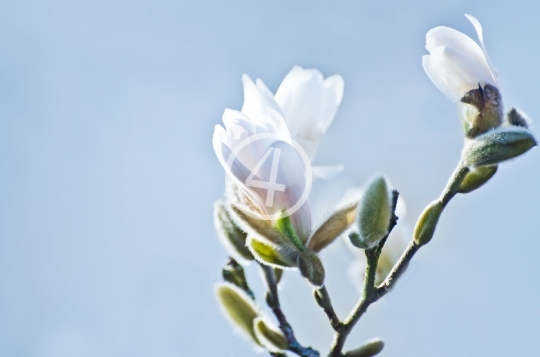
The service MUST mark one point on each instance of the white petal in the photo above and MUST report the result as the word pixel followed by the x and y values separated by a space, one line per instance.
pixel 332 95
pixel 480 33
pixel 327 173
pixel 257 102
pixel 461 46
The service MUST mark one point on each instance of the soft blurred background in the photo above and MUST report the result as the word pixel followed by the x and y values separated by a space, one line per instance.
pixel 107 173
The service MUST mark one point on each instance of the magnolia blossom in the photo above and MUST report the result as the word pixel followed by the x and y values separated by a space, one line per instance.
pixel 261 161
pixel 456 63
pixel 266 149
pixel 307 102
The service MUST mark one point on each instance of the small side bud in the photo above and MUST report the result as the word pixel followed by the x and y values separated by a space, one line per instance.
pixel 234 274
pixel 269 337
pixel 497 146
pixel 476 178
pixel 311 268
pixel 232 237
pixel 374 214
pixel 516 117
pixel 368 349
pixel 238 308
pixel 425 227
pixel 278 273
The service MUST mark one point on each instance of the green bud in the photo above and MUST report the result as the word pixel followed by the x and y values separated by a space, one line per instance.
pixel 374 214
pixel 425 227
pixel 269 337
pixel 496 146
pixel 311 268
pixel 271 256
pixel 232 237
pixel 476 178
pixel 368 349
pixel 234 274
pixel 238 308
pixel 333 227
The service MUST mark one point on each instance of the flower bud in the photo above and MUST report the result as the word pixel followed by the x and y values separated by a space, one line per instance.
pixel 496 146
pixel 425 227
pixel 374 214
pixel 311 268
pixel 238 308
pixel 269 337
pixel 368 349
pixel 232 237
pixel 476 178
pixel 234 274
pixel 516 117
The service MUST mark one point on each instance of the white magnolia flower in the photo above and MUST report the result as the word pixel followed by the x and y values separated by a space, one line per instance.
pixel 456 63
pixel 307 102
pixel 269 171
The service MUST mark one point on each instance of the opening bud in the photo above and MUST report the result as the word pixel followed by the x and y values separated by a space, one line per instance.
pixel 311 268
pixel 482 110
pixel 368 349
pixel 425 227
pixel 496 146
pixel 374 214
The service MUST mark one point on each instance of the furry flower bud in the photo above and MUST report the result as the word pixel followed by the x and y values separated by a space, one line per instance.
pixel 368 349
pixel 269 337
pixel 311 268
pixel 425 227
pixel 232 237
pixel 496 146
pixel 476 178
pixel 238 308
pixel 373 214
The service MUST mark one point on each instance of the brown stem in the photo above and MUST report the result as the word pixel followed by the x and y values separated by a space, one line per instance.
pixel 272 299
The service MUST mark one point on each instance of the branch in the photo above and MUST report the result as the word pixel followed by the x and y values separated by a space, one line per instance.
pixel 371 294
pixel 272 300
pixel 323 300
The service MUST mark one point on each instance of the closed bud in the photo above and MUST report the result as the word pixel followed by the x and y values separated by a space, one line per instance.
pixel 232 237
pixel 374 214
pixel 238 308
pixel 234 274
pixel 476 178
pixel 368 349
pixel 516 117
pixel 425 227
pixel 496 146
pixel 311 268
pixel 269 337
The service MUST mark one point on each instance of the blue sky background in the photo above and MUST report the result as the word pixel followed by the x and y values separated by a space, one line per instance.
pixel 107 173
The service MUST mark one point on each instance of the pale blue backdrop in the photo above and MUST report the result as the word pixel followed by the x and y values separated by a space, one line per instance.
pixel 107 174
